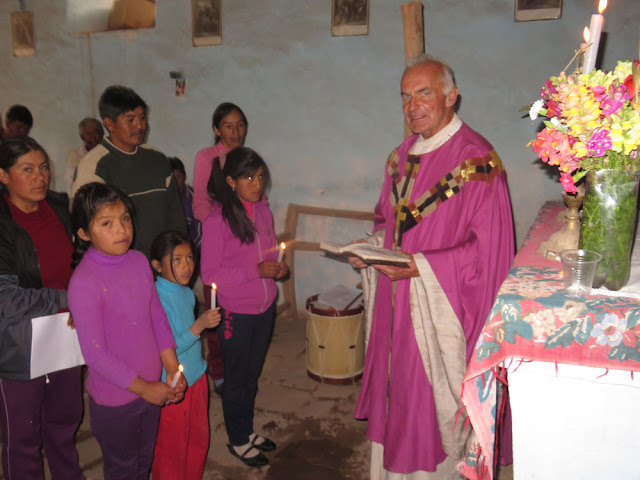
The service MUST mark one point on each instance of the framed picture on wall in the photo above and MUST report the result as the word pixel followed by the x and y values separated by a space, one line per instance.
pixel 527 10
pixel 349 17
pixel 207 22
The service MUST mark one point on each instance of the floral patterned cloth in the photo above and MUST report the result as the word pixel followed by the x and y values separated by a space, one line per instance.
pixel 532 319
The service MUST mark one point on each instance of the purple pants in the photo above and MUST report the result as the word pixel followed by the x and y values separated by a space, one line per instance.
pixel 41 413
pixel 127 437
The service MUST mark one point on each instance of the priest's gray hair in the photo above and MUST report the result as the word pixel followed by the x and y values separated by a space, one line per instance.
pixel 448 77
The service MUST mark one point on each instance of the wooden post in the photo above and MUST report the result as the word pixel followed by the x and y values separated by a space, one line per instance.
pixel 413 28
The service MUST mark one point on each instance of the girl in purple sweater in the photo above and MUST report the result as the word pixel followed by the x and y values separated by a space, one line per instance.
pixel 123 331
pixel 239 255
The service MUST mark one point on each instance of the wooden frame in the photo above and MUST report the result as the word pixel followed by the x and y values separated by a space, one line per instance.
pixel 527 10
pixel 206 22
pixel 289 237
pixel 22 34
pixel 349 17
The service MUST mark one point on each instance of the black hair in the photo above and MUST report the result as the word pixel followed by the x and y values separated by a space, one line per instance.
pixel 86 202
pixel 241 162
pixel 117 99
pixel 165 244
pixel 176 164
pixel 11 150
pixel 20 113
pixel 222 111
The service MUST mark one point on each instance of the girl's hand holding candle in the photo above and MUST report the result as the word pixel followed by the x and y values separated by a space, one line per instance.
pixel 283 246
pixel 214 288
pixel 176 377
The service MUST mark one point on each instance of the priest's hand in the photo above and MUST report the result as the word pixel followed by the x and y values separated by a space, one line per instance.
pixel 355 261
pixel 399 273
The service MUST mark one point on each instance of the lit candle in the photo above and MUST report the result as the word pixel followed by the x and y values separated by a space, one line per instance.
pixel 583 47
pixel 176 377
pixel 595 29
pixel 281 251
pixel 213 295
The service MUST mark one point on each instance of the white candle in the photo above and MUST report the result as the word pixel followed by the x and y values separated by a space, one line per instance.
pixel 176 377
pixel 213 295
pixel 281 251
pixel 595 29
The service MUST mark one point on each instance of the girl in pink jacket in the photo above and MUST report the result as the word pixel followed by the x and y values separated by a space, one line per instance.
pixel 239 255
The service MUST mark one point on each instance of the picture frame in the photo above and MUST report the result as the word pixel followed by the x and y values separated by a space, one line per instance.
pixel 22 34
pixel 349 17
pixel 529 10
pixel 206 22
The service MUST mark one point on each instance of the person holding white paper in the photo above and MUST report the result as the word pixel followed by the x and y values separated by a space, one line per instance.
pixel 35 268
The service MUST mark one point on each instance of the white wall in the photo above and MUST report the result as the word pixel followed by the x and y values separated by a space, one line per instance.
pixel 323 111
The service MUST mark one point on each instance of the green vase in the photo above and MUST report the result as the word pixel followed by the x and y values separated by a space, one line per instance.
pixel 608 223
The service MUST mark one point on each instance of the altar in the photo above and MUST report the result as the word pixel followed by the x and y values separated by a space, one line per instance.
pixel 569 365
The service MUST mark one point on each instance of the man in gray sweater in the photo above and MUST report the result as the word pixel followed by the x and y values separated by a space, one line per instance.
pixel 143 173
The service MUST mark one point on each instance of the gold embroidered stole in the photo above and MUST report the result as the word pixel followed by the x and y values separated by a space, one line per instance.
pixel 409 213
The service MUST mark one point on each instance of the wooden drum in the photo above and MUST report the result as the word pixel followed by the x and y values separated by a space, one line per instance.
pixel 335 343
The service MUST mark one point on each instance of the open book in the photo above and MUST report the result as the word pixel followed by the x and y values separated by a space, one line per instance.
pixel 368 253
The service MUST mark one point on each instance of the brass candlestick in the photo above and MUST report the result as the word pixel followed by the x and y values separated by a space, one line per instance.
pixel 569 235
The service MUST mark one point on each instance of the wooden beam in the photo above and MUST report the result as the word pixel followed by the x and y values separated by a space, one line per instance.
pixel 413 28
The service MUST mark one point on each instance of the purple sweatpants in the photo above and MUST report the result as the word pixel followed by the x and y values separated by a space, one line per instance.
pixel 43 412
pixel 127 437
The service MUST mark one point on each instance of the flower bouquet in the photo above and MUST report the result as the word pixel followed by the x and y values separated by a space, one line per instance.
pixel 592 129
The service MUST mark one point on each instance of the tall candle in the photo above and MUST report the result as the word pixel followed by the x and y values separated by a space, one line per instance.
pixel 213 295
pixel 176 377
pixel 281 251
pixel 595 29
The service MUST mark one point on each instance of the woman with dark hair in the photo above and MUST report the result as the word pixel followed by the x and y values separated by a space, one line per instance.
pixel 239 255
pixel 35 268
pixel 229 125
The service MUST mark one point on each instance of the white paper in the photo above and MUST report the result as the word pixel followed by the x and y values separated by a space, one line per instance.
pixel 340 297
pixel 54 345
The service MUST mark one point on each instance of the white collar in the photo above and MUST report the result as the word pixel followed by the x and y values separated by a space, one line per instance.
pixel 426 145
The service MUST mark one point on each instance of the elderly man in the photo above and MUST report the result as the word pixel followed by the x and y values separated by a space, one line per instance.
pixel 91 132
pixel 141 172
pixel 444 201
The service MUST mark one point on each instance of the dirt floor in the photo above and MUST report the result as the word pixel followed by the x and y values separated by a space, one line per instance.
pixel 312 423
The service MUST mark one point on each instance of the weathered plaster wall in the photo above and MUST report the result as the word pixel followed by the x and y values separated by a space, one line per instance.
pixel 324 111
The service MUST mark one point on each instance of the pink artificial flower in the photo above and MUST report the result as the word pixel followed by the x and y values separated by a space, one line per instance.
pixel 567 183
pixel 616 98
pixel 598 92
pixel 599 143
pixel 553 110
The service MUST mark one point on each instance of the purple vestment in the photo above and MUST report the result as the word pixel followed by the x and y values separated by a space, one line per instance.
pixel 458 216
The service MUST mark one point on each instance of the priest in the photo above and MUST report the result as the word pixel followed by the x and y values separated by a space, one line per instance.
pixel 445 202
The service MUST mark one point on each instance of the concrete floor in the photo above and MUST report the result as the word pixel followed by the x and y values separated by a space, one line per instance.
pixel 312 423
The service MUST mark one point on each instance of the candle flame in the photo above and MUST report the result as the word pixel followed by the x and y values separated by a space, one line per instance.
pixel 585 34
pixel 283 245
pixel 601 6
pixel 180 368
pixel 214 286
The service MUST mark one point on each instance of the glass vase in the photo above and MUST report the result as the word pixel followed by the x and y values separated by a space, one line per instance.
pixel 608 223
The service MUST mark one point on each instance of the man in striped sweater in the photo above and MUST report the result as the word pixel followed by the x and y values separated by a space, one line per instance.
pixel 142 172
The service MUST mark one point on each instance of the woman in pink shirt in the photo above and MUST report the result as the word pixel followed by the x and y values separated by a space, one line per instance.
pixel 229 125
pixel 230 128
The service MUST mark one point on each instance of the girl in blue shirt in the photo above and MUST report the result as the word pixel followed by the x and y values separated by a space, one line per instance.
pixel 183 436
